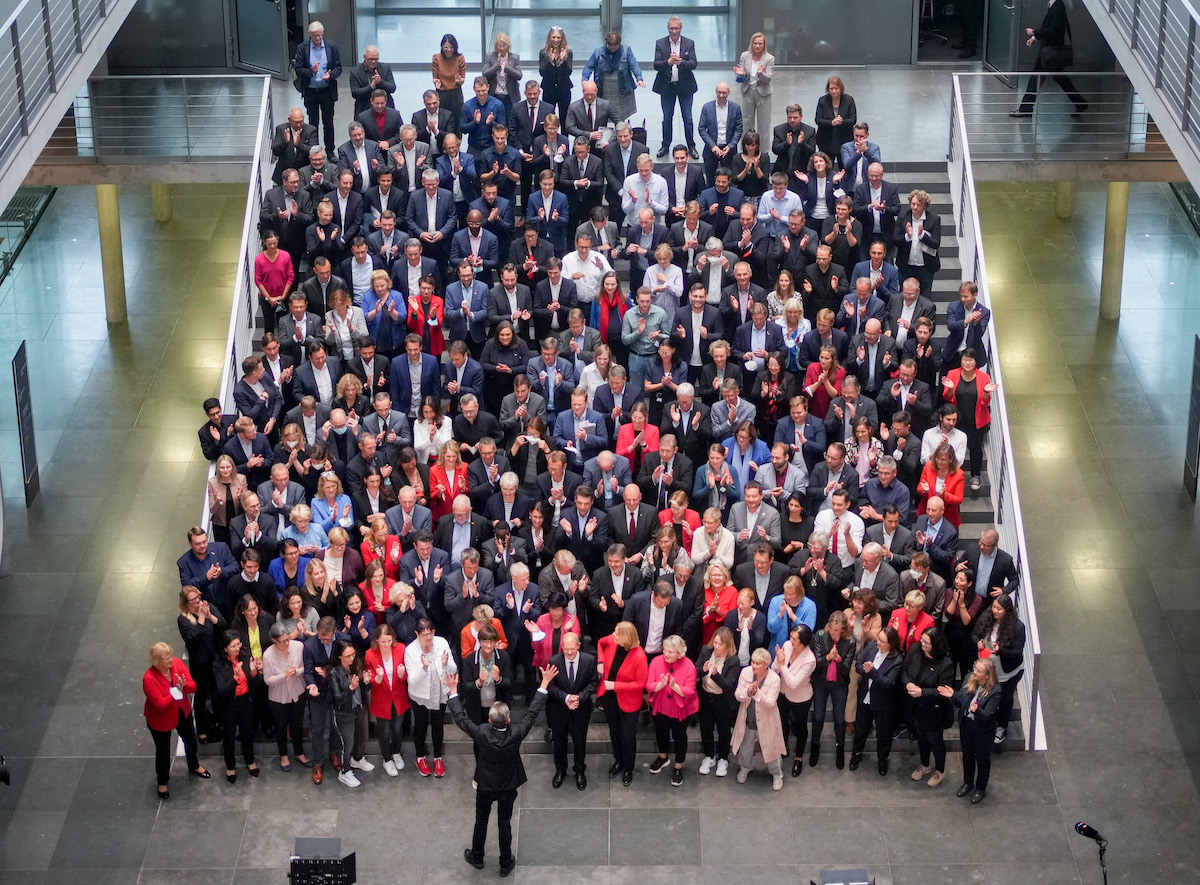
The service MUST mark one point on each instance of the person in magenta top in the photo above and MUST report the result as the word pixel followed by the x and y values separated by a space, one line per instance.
pixel 671 691
pixel 274 278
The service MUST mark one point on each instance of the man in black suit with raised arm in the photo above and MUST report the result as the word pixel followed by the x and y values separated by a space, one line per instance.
pixel 499 772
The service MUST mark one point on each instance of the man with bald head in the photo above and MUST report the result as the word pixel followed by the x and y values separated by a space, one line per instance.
pixel 873 358
pixel 292 142
pixel 477 246
pixel 876 205
pixel 935 535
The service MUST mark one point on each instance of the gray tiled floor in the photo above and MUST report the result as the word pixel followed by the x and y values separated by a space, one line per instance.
pixel 1098 414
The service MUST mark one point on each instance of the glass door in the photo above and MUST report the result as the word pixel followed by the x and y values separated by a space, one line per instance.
pixel 1002 43
pixel 261 44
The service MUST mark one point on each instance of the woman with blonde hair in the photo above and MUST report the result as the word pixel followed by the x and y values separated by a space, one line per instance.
pixel 404 612
pixel 292 451
pixel 167 684
pixel 977 701
pixel 671 694
pixel 225 490
pixel 321 590
pixel 595 373
pixel 720 598
pixel 331 507
pixel 622 667
pixel 502 70
pixel 200 624
pixel 712 541
pixel 382 546
pixel 344 325
pixel 717 676
pixel 754 71
pixel 447 480
pixel 681 517
pixel 758 724
pixel 555 61
pixel 350 397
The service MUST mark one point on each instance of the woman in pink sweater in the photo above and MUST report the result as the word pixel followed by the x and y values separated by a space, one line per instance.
pixel 671 689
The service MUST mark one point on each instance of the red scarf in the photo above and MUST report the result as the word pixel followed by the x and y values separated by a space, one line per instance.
pixel 606 307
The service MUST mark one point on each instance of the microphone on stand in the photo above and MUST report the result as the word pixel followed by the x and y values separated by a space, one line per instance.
pixel 1088 831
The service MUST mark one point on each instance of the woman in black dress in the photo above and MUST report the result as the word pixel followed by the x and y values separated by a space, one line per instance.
pixel 835 118
pixel 928 681
pixel 503 358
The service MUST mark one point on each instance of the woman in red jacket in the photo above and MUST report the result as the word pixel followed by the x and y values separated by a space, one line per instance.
pixel 379 544
pixel 426 318
pixel 623 678
pixel 943 477
pixel 911 620
pixel 720 598
pixel 971 390
pixel 389 695
pixel 167 684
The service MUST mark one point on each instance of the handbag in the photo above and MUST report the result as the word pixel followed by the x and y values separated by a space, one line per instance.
pixel 1056 58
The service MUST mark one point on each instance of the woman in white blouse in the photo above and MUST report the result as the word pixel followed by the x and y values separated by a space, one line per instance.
pixel 712 541
pixel 426 662
pixel 283 671
pixel 754 71
pixel 344 325
pixel 431 431
pixel 595 374
pixel 665 280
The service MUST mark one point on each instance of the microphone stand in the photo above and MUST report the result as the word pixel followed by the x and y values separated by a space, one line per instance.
pixel 1102 844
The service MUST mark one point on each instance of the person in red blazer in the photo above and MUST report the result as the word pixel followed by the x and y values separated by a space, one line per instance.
pixel 967 386
pixel 167 684
pixel 426 317
pixel 637 429
pixel 378 544
pixel 377 588
pixel 678 514
pixel 943 467
pixel 911 620
pixel 384 666
pixel 623 670
pixel 552 625
pixel 447 480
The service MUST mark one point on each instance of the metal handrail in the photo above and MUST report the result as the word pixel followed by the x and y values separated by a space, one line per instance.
pixel 238 339
pixel 1006 501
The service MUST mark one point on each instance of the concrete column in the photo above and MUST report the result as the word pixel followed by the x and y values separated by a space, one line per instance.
pixel 1064 199
pixel 161 196
pixel 108 215
pixel 1116 214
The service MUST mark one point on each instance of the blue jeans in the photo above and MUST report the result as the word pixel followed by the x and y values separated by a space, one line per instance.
pixel 668 99
pixel 639 367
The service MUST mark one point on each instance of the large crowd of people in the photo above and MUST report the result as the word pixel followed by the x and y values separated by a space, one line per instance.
pixel 682 436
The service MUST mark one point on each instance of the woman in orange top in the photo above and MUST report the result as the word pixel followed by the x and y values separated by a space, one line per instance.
pixel 167 684
pixel 943 477
pixel 623 667
pixel 682 518
pixel 449 73
pixel 971 390
pixel 447 480
pixel 483 615
pixel 426 317
pixel 389 695
pixel 638 438
pixel 720 598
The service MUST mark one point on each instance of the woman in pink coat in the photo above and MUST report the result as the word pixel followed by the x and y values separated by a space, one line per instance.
pixel 758 724
pixel 671 689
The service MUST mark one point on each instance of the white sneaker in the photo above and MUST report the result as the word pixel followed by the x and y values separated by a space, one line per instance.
pixel 722 767
pixel 777 782
pixel 389 768
pixel 706 764
pixel 348 778
pixel 399 760
pixel 742 774
pixel 362 764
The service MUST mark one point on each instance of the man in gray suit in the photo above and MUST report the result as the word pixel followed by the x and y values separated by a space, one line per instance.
pixel 607 475
pixel 751 520
pixel 278 495
pixel 590 117
pixel 895 540
pixel 871 571
pixel 390 429
pixel 518 408
pixel 408 517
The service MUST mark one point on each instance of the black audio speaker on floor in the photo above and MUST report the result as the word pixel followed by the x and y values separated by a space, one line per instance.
pixel 844 877
pixel 320 862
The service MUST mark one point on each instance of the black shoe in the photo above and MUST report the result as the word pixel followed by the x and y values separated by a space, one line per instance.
pixel 693 153
pixel 855 759
pixel 614 769
pixel 814 754
pixel 506 867
pixel 662 152
pixel 797 767
pixel 559 777
pixel 203 774
pixel 627 778
pixel 163 795
pixel 977 796
pixel 677 777
pixel 659 763
pixel 253 771
pixel 840 758
pixel 549 736
pixel 232 778
pixel 581 780
pixel 964 789
pixel 968 53
pixel 469 857
pixel 883 768
pixel 1020 115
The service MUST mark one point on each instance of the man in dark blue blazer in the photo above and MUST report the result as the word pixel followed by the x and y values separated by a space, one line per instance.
pixel 425 568
pixel 361 156
pixel 436 242
pixel 207 567
pixel 349 225
pixel 580 432
pixel 859 307
pixel 684 184
pixel 686 332
pixel 263 408
pixel 857 157
pixel 716 203
pixel 966 326
pixel 551 377
pixel 498 216
pixel 885 279
pixel 317 66
pixel 456 166
pixel 637 612
pixel 483 253
pixel 588 540
pixel 642 237
pixel 408 270
pixel 360 253
pixel 251 452
pixel 811 344
pixel 318 658
pixel 876 205
pixel 461 375
pixel 675 81
pixel 518 601
pixel 934 534
pixel 401 372
pixel 382 196
pixel 809 443
pixel 472 293
pixel 550 212
pixel 756 340
pixel 304 380
pixel 615 401
pixel 718 150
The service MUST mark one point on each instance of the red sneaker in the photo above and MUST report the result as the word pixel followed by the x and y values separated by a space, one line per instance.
pixel 439 769
pixel 423 767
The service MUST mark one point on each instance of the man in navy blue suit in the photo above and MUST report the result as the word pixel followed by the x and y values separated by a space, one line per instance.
pixel 459 175
pixel 862 306
pixel 885 279
pixel 803 433
pixel 936 536
pixel 552 377
pixel 469 325
pixel 675 81
pixel 256 396
pixel 876 205
pixel 408 271
pixel 720 130
pixel 318 375
pixel 966 326
pixel 581 432
pixel 461 375
pixel 477 246
pixel 207 566
pixel 756 339
pixel 433 232
pixel 318 652
pixel 406 393
pixel 857 157
pixel 425 568
pixel 250 451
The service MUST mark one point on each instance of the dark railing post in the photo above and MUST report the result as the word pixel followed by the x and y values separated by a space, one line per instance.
pixel 16 40
pixel 78 27
pixel 1189 77
pixel 1133 25
pixel 1162 35
pixel 49 46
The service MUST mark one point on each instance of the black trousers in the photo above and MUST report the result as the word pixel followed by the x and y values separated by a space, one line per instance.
pixel 922 272
pixel 667 731
pixel 1036 81
pixel 932 742
pixel 976 437
pixel 882 718
pixel 795 720
pixel 573 725
pixel 389 733
pixel 423 718
pixel 350 735
pixel 319 104
pixel 504 799
pixel 622 731
pixel 976 752
pixel 1008 694
pixel 204 701
pixel 822 692
pixel 237 718
pixel 716 716
pixel 320 716
pixel 162 748
pixel 288 718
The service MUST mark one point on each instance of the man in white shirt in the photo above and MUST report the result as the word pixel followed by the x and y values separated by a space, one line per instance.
pixel 843 527
pixel 947 432
pixel 586 268
pixel 720 130
pixel 644 188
